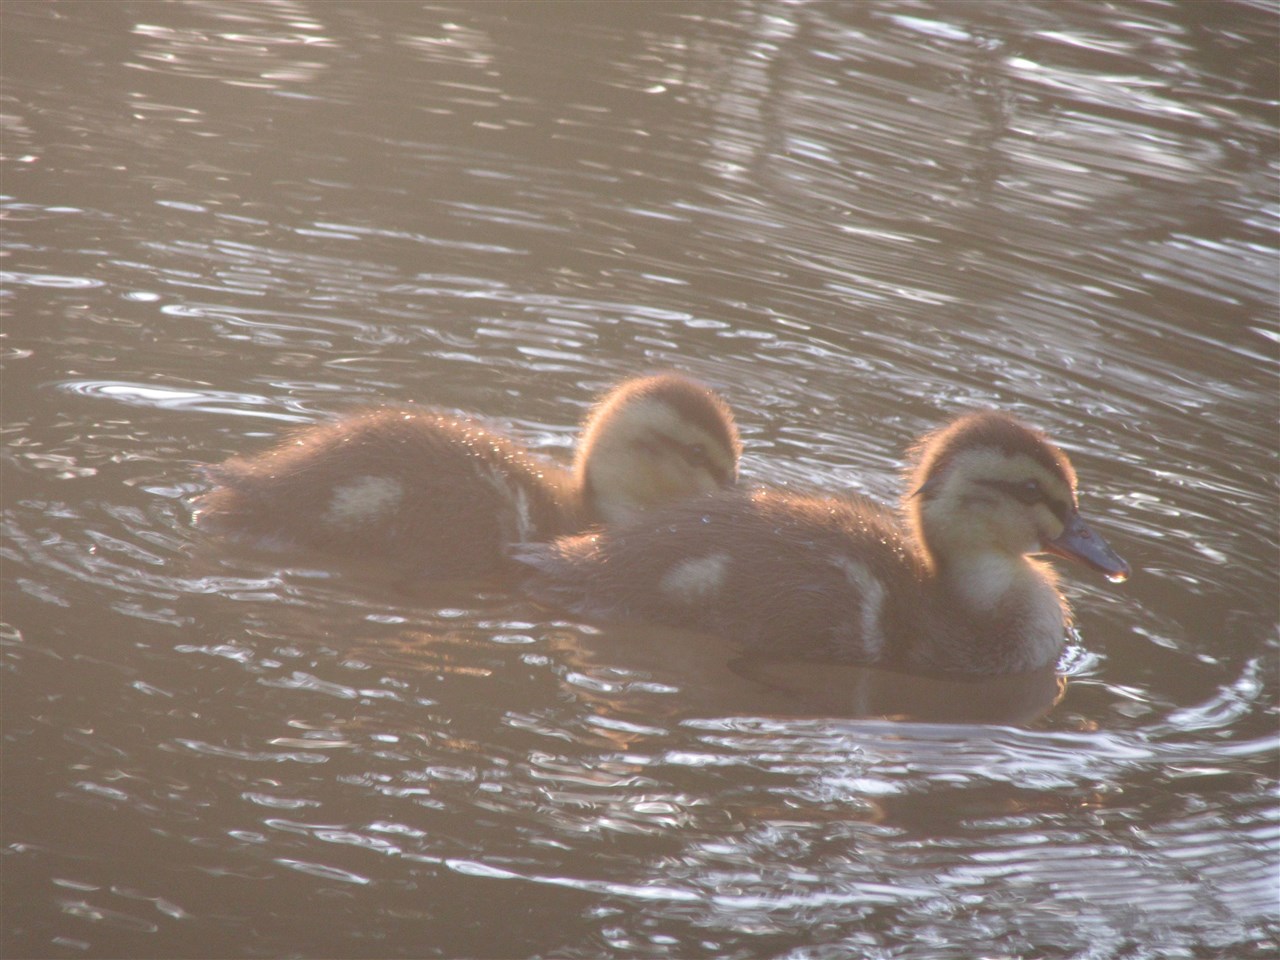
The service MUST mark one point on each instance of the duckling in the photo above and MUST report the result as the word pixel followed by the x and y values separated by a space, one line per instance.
pixel 948 589
pixel 446 496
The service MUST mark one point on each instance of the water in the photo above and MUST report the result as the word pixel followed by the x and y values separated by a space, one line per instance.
pixel 225 220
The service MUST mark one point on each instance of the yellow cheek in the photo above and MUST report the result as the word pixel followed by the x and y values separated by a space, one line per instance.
pixel 1047 524
pixel 648 484
pixel 668 479
pixel 704 482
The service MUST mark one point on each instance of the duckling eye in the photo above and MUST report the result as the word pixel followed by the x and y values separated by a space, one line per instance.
pixel 696 453
pixel 699 457
pixel 1028 492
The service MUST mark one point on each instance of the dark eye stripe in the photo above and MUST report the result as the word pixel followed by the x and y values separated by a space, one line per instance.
pixel 1030 493
pixel 694 454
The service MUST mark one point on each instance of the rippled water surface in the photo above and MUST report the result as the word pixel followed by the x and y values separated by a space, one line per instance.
pixel 854 220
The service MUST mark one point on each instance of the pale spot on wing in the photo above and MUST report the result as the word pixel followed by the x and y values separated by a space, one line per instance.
pixel 517 523
pixel 525 529
pixel 871 593
pixel 696 580
pixel 363 500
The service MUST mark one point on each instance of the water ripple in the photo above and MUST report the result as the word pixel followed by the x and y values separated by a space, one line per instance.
pixel 183 399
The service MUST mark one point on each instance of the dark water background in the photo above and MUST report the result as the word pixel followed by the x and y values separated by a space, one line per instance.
pixel 855 220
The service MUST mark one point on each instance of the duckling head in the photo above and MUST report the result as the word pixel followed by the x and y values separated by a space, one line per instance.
pixel 987 490
pixel 654 440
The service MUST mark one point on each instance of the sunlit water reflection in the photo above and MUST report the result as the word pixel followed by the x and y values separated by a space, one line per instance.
pixel 854 221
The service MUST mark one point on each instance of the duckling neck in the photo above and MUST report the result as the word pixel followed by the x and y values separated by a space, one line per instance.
pixel 1014 617
pixel 980 581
